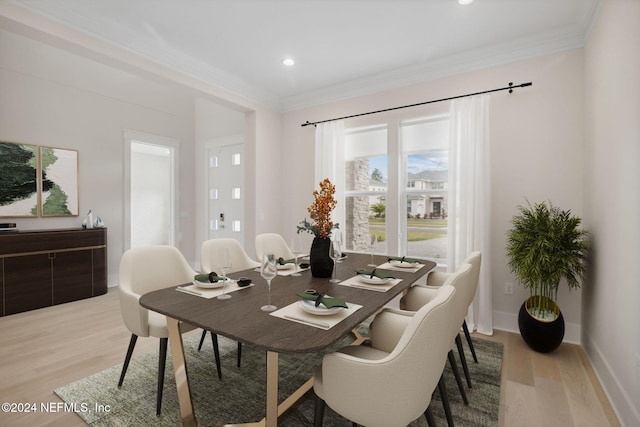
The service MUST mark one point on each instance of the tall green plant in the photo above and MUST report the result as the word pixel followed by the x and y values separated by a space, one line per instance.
pixel 544 245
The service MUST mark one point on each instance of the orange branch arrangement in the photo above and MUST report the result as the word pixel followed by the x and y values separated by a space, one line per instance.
pixel 320 211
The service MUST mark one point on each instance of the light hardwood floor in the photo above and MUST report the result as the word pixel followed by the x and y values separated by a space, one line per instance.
pixel 45 349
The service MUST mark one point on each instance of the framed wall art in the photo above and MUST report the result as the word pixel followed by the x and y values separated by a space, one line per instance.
pixel 19 196
pixel 59 182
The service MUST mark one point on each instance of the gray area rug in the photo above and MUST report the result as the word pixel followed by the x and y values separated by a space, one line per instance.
pixel 239 397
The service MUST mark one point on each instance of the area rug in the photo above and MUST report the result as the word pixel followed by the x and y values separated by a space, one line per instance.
pixel 239 396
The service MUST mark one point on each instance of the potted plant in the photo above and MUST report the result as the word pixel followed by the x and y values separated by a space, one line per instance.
pixel 544 246
pixel 320 226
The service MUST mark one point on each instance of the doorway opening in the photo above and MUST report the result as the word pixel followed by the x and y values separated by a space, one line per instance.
pixel 150 190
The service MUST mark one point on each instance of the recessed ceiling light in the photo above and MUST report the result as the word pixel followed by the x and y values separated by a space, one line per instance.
pixel 465 2
pixel 288 62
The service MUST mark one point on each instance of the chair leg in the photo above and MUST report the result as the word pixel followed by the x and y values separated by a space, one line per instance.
pixel 318 413
pixel 127 359
pixel 463 359
pixel 204 335
pixel 162 360
pixel 239 353
pixel 456 374
pixel 465 328
pixel 445 401
pixel 216 352
pixel 428 414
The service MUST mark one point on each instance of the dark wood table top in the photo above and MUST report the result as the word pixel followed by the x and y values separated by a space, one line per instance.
pixel 241 319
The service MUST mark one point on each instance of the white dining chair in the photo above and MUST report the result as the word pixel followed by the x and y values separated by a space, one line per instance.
pixel 143 270
pixel 389 382
pixel 240 260
pixel 272 243
pixel 461 280
pixel 437 278
pixel 419 295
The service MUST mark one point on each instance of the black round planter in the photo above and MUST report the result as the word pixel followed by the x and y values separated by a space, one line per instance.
pixel 541 336
pixel 319 260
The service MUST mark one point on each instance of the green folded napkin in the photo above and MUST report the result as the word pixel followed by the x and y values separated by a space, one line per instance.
pixel 210 277
pixel 283 261
pixel 328 302
pixel 374 273
pixel 404 259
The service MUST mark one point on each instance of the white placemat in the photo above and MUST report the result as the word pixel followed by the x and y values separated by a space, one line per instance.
pixel 290 271
pixel 389 266
pixel 210 293
pixel 294 313
pixel 355 282
pixel 286 271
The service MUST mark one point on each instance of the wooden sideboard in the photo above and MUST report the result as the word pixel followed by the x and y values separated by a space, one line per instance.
pixel 48 267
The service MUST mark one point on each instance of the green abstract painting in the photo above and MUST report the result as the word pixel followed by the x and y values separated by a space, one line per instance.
pixel 59 181
pixel 18 180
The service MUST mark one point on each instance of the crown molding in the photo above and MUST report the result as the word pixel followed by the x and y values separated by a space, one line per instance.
pixel 153 50
pixel 478 59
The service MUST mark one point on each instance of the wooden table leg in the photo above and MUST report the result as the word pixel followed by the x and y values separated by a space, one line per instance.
pixel 187 415
pixel 271 419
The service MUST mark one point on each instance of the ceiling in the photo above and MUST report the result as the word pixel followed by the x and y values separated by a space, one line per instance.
pixel 342 48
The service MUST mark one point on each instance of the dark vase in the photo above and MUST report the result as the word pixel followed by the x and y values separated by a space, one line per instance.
pixel 541 336
pixel 321 263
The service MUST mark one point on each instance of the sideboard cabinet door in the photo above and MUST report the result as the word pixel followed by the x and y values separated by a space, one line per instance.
pixel 72 276
pixel 27 283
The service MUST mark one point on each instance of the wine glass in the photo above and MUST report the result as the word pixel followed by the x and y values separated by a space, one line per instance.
pixel 296 249
pixel 335 254
pixel 224 264
pixel 371 244
pixel 268 271
pixel 338 238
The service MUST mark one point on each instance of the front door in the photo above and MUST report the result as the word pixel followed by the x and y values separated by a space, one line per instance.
pixel 226 191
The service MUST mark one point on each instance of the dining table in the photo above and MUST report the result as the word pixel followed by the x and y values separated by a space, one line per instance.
pixel 286 330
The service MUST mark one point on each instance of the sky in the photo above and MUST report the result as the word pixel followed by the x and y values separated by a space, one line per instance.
pixel 433 160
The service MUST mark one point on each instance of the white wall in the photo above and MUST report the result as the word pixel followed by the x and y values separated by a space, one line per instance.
pixel 54 98
pixel 537 152
pixel 610 314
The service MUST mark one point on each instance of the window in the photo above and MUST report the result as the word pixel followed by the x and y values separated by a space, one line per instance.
pixel 407 214
pixel 425 154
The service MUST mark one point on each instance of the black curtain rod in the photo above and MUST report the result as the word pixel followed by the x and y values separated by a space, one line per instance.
pixel 509 88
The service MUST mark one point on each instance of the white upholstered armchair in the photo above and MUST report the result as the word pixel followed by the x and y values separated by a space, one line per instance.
pixel 419 296
pixel 389 383
pixel 143 270
pixel 416 298
pixel 240 260
pixel 272 243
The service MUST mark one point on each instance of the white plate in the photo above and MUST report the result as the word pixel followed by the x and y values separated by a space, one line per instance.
pixel 310 307
pixel 374 280
pixel 404 264
pixel 214 285
pixel 285 266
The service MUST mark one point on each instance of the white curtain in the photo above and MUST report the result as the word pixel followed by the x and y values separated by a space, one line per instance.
pixel 470 200
pixel 329 157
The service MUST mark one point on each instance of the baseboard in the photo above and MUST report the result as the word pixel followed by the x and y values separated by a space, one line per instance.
pixel 509 322
pixel 627 412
